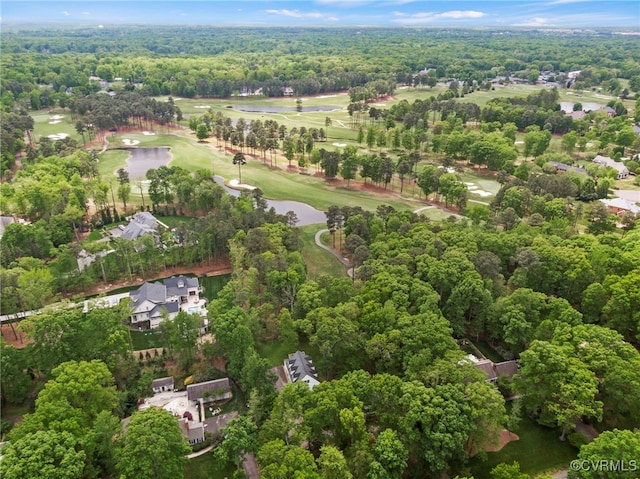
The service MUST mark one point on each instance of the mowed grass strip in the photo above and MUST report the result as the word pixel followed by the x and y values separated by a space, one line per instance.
pixel 318 260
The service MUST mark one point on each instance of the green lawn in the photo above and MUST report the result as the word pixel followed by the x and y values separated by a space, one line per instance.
pixel 111 161
pixel 146 339
pixel 43 127
pixel 275 352
pixel 318 260
pixel 213 284
pixel 538 450
pixel 204 467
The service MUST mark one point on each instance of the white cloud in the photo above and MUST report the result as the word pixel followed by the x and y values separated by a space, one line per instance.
pixel 66 14
pixel 564 2
pixel 534 22
pixel 426 17
pixel 295 13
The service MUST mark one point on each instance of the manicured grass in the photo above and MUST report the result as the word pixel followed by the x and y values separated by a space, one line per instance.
pixel 537 450
pixel 204 467
pixel 275 352
pixel 94 236
pixel 42 127
pixel 111 161
pixel 435 214
pixel 146 339
pixel 213 284
pixel 318 261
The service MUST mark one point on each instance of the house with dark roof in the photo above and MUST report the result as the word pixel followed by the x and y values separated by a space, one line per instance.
pixel 175 294
pixel 299 367
pixel 161 385
pixel 563 168
pixel 622 170
pixel 210 391
pixel 494 370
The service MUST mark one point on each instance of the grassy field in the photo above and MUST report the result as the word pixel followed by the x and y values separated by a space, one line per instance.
pixel 42 127
pixel 538 450
pixel 146 339
pixel 111 161
pixel 318 260
pixel 204 467
pixel 213 284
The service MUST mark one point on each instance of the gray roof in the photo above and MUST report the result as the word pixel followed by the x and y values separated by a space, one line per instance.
pixel 196 391
pixel 193 431
pixel 564 167
pixel 160 382
pixel 301 365
pixel 606 161
pixel 154 292
pixel 171 307
pixel 178 285
pixel 141 223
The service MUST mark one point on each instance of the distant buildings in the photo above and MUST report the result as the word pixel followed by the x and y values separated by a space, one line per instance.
pixel 172 295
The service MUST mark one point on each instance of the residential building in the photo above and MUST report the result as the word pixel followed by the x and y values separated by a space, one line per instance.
pixel 141 223
pixel 562 168
pixel 161 385
pixel 622 170
pixel 193 431
pixel 494 370
pixel 172 295
pixel 210 391
pixel 299 367
pixel 620 206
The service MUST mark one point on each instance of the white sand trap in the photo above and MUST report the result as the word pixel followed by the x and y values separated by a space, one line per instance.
pixel 202 106
pixel 379 104
pixel 519 142
pixel 148 133
pixel 449 169
pixel 54 122
pixel 472 187
pixel 327 96
pixel 480 192
pixel 242 186
pixel 130 142
pixel 469 184
pixel 340 145
pixel 56 117
pixel 58 136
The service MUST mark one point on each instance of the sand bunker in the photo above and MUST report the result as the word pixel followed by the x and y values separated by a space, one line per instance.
pixel 148 133
pixel 54 122
pixel 519 142
pixel 242 186
pixel 202 106
pixel 129 142
pixel 480 192
pixel 56 117
pixel 58 136
pixel 449 169
pixel 340 145
pixel 327 96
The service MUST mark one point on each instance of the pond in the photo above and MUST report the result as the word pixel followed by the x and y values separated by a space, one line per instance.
pixel 283 109
pixel 143 159
pixel 307 215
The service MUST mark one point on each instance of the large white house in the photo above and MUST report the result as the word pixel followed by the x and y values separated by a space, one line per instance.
pixel 172 295
pixel 622 170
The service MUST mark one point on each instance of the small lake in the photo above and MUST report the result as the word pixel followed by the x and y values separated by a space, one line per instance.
pixel 567 106
pixel 143 159
pixel 283 109
pixel 307 215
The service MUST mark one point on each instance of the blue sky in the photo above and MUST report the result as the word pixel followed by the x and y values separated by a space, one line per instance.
pixel 624 14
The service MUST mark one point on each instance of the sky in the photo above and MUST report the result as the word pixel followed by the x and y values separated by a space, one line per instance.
pixel 620 14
